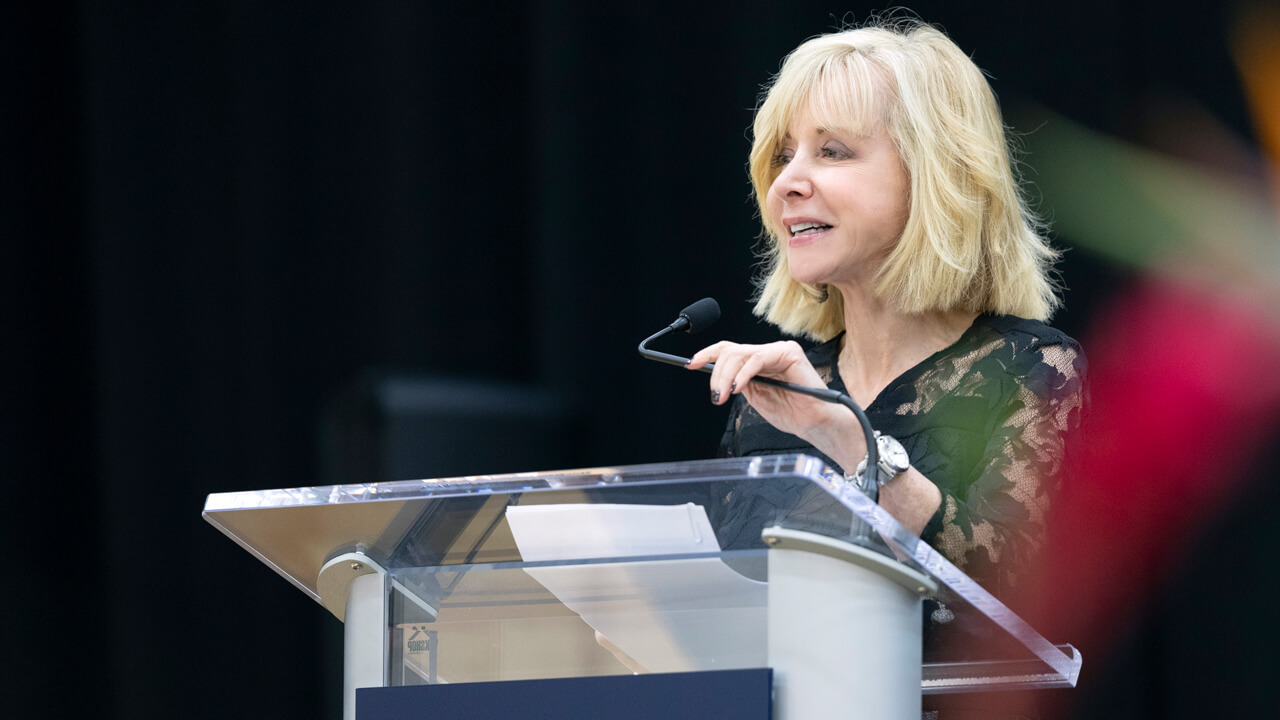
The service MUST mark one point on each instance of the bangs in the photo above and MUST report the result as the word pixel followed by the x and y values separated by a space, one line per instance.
pixel 848 96
pixel 844 91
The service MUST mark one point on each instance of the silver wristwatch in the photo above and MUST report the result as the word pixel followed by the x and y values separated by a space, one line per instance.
pixel 891 462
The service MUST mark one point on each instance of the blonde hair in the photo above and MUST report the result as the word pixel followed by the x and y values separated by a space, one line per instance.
pixel 970 240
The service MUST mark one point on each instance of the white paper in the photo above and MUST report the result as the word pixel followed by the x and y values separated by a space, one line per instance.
pixel 669 615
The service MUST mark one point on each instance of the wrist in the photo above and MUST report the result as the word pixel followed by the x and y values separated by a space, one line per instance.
pixel 840 438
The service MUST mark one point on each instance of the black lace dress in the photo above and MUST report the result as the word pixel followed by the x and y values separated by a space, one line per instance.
pixel 986 420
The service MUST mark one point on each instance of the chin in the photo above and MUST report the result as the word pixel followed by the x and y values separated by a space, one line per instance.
pixel 809 276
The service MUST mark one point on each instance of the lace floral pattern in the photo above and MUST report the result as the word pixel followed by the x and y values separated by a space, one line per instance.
pixel 986 420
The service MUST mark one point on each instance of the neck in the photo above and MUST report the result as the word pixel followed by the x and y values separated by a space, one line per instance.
pixel 881 342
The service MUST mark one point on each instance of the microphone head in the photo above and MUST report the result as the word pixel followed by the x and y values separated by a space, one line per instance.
pixel 701 315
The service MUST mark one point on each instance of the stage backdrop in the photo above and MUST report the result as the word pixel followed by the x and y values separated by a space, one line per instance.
pixel 222 219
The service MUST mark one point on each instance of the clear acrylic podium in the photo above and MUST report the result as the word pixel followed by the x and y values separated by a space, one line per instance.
pixel 705 565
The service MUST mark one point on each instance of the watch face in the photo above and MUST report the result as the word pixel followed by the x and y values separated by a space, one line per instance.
pixel 893 454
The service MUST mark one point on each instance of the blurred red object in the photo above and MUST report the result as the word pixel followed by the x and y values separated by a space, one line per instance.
pixel 1185 391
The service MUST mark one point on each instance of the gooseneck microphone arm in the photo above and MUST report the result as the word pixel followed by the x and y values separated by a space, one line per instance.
pixel 702 314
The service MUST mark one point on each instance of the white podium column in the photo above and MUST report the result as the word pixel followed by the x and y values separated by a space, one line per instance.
pixel 353 587
pixel 844 630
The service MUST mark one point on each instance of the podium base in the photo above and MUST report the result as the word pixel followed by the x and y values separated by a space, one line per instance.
pixel 738 694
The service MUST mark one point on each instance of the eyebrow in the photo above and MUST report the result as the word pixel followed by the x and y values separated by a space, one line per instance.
pixel 848 131
pixel 826 130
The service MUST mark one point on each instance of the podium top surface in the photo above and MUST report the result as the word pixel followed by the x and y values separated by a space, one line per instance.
pixel 407 523
pixel 463 522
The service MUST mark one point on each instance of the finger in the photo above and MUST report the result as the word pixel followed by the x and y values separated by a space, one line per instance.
pixel 751 366
pixel 781 361
pixel 708 354
pixel 723 376
pixel 739 369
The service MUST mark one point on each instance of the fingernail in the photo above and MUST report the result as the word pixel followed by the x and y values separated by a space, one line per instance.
pixel 733 387
pixel 715 397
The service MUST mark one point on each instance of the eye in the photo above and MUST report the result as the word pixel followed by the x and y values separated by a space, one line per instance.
pixel 781 158
pixel 835 151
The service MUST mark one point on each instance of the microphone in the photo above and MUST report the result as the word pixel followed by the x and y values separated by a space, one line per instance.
pixel 700 315
pixel 695 318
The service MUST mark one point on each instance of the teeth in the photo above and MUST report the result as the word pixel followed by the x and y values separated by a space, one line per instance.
pixel 797 229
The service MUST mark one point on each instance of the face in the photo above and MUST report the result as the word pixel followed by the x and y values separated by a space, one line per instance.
pixel 840 202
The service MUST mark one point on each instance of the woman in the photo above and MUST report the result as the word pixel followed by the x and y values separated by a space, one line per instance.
pixel 899 239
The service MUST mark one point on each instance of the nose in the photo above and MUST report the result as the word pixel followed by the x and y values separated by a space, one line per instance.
pixel 794 182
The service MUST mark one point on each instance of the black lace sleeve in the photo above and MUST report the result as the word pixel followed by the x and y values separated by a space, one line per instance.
pixel 992 526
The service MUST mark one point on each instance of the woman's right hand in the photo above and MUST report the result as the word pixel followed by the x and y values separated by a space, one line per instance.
pixel 830 428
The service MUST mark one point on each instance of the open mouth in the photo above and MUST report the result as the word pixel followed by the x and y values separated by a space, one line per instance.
pixel 808 227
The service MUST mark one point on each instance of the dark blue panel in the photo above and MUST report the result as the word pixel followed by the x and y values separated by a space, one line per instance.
pixel 738 694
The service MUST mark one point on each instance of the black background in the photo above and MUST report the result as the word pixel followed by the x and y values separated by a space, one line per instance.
pixel 218 216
